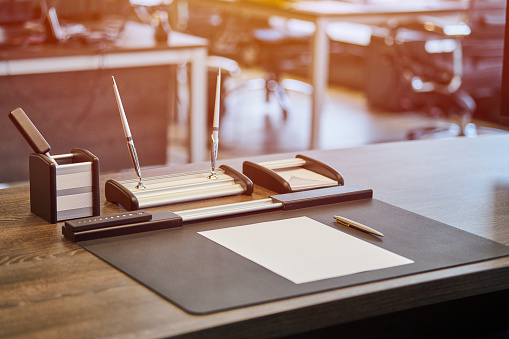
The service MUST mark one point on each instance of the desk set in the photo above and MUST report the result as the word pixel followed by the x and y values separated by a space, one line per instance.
pixel 265 251
pixel 184 279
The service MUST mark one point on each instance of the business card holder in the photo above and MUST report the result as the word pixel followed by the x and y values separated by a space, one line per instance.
pixel 292 175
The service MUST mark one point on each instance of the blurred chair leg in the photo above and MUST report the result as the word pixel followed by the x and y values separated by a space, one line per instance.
pixel 460 115
pixel 281 95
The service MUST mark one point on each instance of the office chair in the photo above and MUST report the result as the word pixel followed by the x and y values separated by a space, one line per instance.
pixel 441 69
pixel 283 47
pixel 280 51
pixel 254 42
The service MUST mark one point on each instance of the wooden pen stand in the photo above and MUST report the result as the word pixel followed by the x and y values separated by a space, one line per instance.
pixel 66 190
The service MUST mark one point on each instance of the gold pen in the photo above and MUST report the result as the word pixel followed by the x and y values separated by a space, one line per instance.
pixel 350 223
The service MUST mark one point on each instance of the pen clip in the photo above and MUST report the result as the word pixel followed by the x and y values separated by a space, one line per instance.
pixel 341 221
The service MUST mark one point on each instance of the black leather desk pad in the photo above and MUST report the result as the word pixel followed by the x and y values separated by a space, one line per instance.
pixel 203 277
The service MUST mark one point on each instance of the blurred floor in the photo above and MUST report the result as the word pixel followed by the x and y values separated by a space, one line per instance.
pixel 252 126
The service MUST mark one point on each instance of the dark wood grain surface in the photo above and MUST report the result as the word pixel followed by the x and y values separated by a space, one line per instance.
pixel 51 287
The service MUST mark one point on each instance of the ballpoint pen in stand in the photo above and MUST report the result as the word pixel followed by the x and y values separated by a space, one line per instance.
pixel 215 128
pixel 127 132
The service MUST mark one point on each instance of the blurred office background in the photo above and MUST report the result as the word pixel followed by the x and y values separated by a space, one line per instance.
pixel 389 80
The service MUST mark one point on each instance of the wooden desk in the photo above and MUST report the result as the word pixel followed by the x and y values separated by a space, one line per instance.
pixel 322 13
pixel 136 48
pixel 51 287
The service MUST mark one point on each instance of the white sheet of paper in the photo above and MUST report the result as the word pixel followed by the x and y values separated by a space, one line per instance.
pixel 304 250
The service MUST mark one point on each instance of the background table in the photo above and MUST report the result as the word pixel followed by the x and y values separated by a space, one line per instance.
pixel 38 71
pixel 50 286
pixel 321 14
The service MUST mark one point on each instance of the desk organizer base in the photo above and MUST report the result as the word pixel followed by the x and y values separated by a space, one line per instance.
pixel 202 277
pixel 175 188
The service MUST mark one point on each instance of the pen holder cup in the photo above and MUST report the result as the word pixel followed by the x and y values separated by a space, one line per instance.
pixel 67 189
